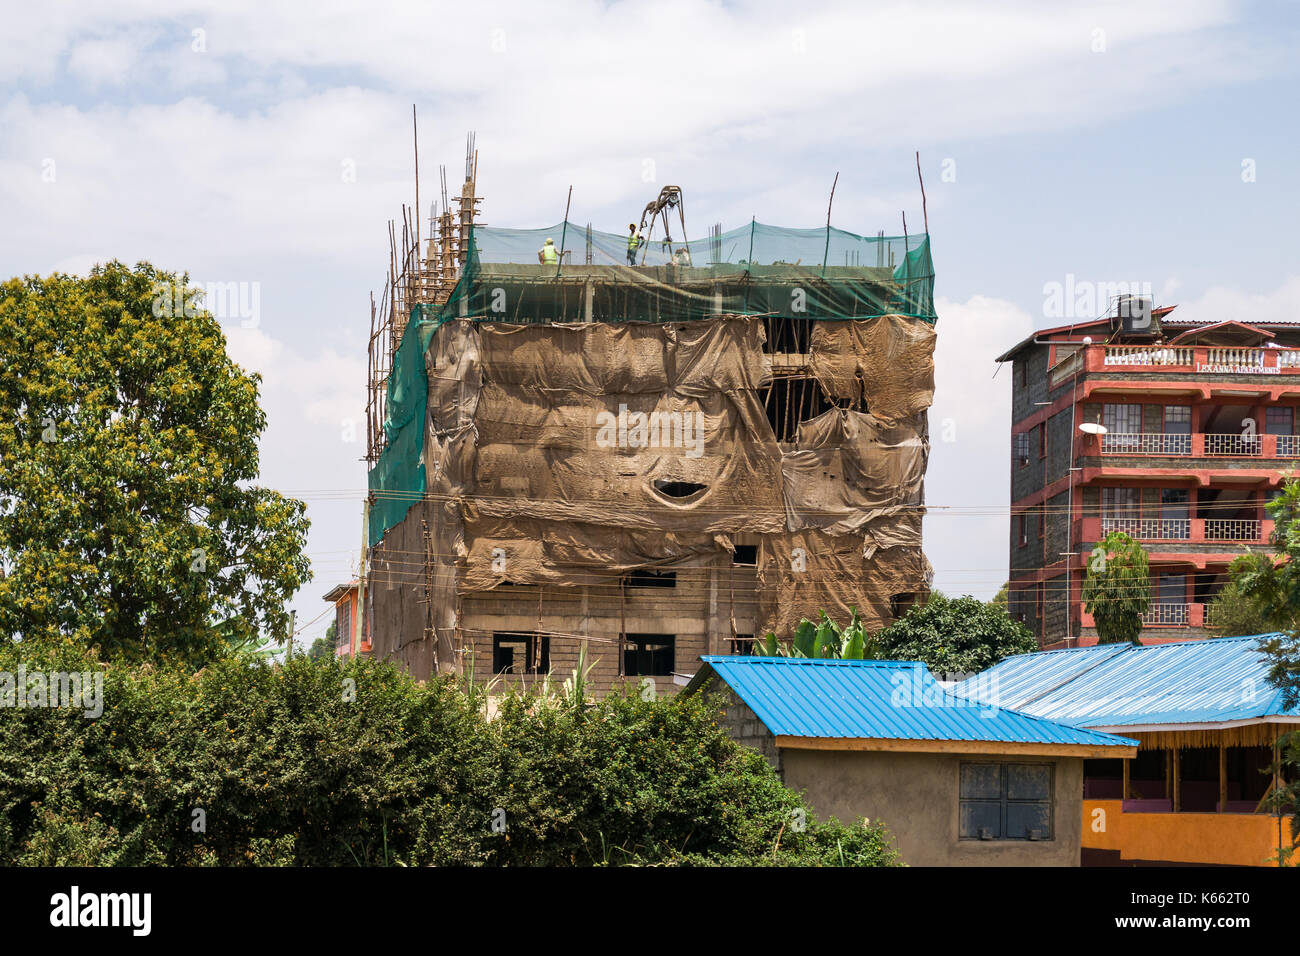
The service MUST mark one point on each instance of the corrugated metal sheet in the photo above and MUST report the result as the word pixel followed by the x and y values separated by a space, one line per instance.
pixel 877 699
pixel 1190 682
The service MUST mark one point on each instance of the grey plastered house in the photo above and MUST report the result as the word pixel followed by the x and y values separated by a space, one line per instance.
pixel 957 783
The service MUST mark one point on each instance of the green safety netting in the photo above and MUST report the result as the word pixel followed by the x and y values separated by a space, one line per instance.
pixel 753 270
pixel 397 481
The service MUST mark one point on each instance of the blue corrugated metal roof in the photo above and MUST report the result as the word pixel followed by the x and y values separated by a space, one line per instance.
pixel 1116 685
pixel 896 700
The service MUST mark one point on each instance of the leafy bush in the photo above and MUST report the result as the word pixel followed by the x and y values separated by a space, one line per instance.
pixel 954 635
pixel 333 762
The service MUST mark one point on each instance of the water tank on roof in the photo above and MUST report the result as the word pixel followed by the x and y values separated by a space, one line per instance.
pixel 1133 314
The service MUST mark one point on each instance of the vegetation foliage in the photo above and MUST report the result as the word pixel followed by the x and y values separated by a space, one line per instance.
pixel 1117 589
pixel 1272 585
pixel 331 762
pixel 130 520
pixel 955 635
pixel 949 635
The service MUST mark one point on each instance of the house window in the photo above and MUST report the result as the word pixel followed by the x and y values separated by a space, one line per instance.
pixel 1178 430
pixel 1021 447
pixel 1042 440
pixel 1119 503
pixel 745 554
pixel 1005 801
pixel 1023 537
pixel 1279 421
pixel 343 626
pixel 1178 419
pixel 343 631
pixel 1122 419
pixel 648 655
pixel 1042 520
pixel 652 579
pixel 521 653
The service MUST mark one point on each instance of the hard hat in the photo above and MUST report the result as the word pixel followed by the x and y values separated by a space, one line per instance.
pixel 550 242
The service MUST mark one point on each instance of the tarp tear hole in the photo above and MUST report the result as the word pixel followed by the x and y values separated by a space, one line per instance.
pixel 679 489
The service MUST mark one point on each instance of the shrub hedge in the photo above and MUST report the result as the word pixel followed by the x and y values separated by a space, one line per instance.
pixel 320 763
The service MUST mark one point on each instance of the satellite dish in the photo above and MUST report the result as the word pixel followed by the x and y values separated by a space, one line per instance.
pixel 1092 428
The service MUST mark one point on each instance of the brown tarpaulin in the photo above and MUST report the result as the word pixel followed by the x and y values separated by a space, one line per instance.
pixel 555 453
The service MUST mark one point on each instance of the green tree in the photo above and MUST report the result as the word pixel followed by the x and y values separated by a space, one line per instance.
pixel 129 517
pixel 1274 582
pixel 1235 614
pixel 955 635
pixel 1117 589
pixel 1002 598
pixel 323 647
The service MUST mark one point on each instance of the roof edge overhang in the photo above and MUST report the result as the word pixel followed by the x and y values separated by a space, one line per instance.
pixel 1125 747
pixel 1201 725
pixel 1195 331
pixel 1105 320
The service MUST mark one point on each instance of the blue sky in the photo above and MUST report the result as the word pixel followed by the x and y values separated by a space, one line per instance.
pixel 1103 140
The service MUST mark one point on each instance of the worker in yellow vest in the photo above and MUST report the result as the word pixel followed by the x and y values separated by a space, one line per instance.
pixel 547 256
pixel 634 241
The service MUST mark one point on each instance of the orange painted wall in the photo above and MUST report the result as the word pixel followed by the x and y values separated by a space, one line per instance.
pixel 1234 839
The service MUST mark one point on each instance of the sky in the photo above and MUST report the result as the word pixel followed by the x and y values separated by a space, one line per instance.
pixel 268 144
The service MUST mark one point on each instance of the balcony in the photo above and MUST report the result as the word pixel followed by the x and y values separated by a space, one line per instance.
pixel 1149 529
pixel 1145 356
pixel 1184 530
pixel 1191 614
pixel 1167 615
pixel 1201 445
pixel 1233 529
pixel 1194 358
pixel 1145 443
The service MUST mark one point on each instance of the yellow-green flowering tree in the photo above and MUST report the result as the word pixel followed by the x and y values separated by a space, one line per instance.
pixel 130 520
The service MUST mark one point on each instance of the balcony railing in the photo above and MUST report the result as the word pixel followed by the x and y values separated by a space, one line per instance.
pixel 1233 529
pixel 1209 360
pixel 1172 615
pixel 1201 445
pixel 1145 443
pixel 1143 355
pixel 1239 531
pixel 1249 358
pixel 1149 529
pixel 1234 445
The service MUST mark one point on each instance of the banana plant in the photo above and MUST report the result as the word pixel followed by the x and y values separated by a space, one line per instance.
pixel 822 639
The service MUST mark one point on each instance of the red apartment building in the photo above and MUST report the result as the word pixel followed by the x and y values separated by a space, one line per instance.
pixel 1199 429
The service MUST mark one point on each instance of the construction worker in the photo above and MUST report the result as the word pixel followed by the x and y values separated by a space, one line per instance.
pixel 634 241
pixel 547 256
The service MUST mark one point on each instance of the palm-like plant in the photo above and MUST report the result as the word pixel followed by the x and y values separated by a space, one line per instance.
pixel 822 639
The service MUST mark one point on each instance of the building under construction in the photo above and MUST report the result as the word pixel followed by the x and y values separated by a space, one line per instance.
pixel 654 453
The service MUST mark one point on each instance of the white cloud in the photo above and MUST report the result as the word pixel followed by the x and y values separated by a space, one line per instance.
pixel 228 162
pixel 1221 303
